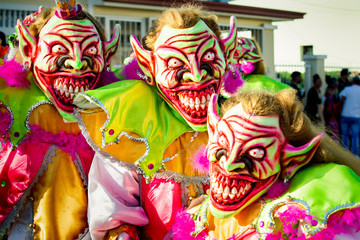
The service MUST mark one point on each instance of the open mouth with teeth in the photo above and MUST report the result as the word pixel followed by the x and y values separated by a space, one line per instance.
pixel 192 101
pixel 64 86
pixel 229 191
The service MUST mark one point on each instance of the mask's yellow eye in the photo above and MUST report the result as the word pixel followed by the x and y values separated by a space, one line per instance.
pixel 59 49
pixel 209 56
pixel 257 153
pixel 91 51
pixel 175 63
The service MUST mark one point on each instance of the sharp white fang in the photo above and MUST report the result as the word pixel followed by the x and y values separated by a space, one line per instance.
pixel 227 190
pixel 197 101
pixel 234 191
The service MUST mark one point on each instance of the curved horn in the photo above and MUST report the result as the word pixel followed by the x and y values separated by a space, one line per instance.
pixel 213 116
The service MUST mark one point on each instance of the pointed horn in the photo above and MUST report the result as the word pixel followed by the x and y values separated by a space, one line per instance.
pixel 213 116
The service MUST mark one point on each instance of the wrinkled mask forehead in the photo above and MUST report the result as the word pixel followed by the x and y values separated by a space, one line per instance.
pixel 75 30
pixel 242 121
pixel 188 37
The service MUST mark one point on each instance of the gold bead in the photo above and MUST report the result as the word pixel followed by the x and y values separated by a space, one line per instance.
pixel 31 198
pixel 137 163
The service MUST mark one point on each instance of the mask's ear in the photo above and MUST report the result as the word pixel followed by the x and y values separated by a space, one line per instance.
pixel 27 43
pixel 111 46
pixel 145 60
pixel 213 116
pixel 295 157
pixel 230 42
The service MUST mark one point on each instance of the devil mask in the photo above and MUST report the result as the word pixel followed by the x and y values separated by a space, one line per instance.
pixel 247 155
pixel 66 57
pixel 187 65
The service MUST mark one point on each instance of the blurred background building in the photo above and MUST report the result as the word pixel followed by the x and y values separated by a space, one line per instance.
pixel 136 17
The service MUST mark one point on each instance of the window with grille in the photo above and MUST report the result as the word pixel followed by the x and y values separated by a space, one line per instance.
pixel 8 18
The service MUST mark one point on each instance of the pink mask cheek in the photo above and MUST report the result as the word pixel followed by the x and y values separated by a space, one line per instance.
pixel 167 79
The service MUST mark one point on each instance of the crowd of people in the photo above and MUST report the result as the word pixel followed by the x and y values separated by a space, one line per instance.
pixel 341 109
pixel 198 144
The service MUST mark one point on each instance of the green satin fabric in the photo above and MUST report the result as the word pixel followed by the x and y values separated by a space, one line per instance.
pixel 20 101
pixel 261 82
pixel 134 106
pixel 322 189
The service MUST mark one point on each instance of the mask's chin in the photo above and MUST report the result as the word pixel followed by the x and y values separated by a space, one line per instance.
pixel 191 101
pixel 62 87
pixel 230 193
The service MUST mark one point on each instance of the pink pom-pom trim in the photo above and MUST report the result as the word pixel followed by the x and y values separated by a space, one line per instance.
pixel 232 80
pixel 13 74
pixel 200 162
pixel 183 226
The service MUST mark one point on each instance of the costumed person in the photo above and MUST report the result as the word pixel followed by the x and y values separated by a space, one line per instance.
pixel 271 177
pixel 146 132
pixel 250 63
pixel 332 108
pixel 45 160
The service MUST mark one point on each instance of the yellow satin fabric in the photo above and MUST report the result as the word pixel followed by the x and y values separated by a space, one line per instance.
pixel 60 201
pixel 224 228
pixel 134 150
pixel 47 117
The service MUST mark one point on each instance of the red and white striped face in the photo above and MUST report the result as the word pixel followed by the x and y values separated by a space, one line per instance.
pixel 69 59
pixel 189 65
pixel 245 159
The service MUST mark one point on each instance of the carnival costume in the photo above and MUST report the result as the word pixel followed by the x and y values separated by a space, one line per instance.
pixel 255 192
pixel 44 159
pixel 147 132
pixel 250 63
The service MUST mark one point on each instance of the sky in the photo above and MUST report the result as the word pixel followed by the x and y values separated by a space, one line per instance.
pixel 331 26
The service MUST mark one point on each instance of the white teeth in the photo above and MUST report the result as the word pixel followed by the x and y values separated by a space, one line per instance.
pixel 202 106
pixel 71 90
pixel 72 95
pixel 208 97
pixel 67 94
pixel 82 89
pixel 76 89
pixel 203 99
pixel 65 88
pixel 191 102
pixel 225 195
pixel 197 107
pixel 197 101
pixel 227 190
pixel 232 196
pixel 220 189
pixel 234 191
pixel 61 91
